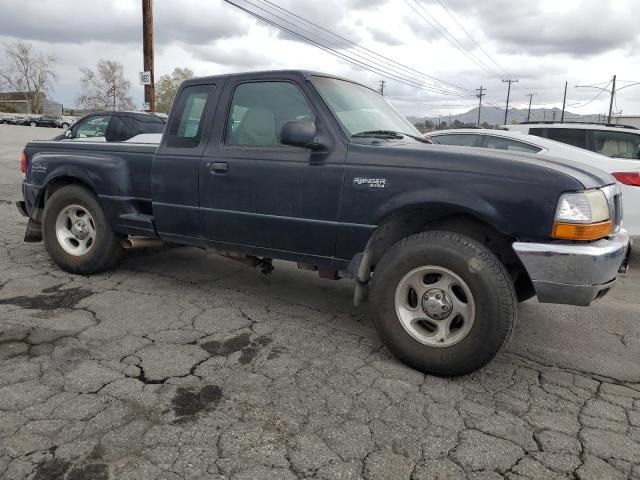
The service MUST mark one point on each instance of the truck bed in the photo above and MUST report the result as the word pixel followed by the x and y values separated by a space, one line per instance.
pixel 118 172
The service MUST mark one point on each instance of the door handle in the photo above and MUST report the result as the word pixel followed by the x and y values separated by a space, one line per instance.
pixel 218 167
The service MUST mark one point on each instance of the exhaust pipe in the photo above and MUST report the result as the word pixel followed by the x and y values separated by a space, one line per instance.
pixel 141 242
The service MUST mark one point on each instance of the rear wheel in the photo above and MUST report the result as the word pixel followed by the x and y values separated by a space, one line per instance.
pixel 443 303
pixel 65 125
pixel 77 234
pixel 33 124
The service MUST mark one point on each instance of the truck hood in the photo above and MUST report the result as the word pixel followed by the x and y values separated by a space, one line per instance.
pixel 523 166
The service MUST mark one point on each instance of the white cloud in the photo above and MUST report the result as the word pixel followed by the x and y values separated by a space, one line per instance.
pixel 543 43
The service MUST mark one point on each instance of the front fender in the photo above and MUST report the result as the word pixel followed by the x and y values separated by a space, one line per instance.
pixel 445 201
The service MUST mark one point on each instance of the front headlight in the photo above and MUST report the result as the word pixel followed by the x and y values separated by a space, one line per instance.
pixel 582 216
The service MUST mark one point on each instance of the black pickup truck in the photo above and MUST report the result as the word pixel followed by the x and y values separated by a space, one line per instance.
pixel 306 167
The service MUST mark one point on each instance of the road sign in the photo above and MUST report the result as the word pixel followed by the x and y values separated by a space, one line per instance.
pixel 146 107
pixel 145 78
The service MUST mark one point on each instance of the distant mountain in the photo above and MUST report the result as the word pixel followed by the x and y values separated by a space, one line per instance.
pixel 494 116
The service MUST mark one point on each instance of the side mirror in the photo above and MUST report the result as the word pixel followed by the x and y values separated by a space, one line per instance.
pixel 300 133
pixel 67 133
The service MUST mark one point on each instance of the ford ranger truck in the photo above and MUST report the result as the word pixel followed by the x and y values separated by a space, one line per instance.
pixel 442 242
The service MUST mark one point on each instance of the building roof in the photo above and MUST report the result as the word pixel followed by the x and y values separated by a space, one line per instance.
pixel 16 96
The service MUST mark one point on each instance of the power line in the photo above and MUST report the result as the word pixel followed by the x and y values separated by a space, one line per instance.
pixel 448 37
pixel 360 47
pixel 471 37
pixel 362 60
pixel 577 105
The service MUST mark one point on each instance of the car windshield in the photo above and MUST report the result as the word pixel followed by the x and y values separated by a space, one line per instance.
pixel 362 111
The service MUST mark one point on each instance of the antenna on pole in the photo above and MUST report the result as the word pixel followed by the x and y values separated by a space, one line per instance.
pixel 564 101
pixel 506 110
pixel 381 89
pixel 613 94
pixel 530 95
pixel 480 95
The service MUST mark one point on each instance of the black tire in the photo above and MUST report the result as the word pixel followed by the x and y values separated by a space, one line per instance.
pixel 487 279
pixel 105 252
pixel 33 124
pixel 65 125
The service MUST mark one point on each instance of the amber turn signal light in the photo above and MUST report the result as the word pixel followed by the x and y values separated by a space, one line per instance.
pixel 580 231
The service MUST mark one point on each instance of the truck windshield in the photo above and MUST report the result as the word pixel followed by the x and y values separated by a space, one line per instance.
pixel 361 110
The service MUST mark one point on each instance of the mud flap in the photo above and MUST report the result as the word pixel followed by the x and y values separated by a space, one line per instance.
pixel 34 231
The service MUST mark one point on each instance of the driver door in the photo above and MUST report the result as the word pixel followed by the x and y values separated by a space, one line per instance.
pixel 257 192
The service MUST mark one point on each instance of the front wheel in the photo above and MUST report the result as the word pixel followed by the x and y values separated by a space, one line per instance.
pixel 33 124
pixel 65 125
pixel 443 303
pixel 77 234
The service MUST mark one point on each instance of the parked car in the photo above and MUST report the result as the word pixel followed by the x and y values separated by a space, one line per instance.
pixel 626 171
pixel 44 121
pixel 618 141
pixel 110 126
pixel 15 120
pixel 65 122
pixel 323 171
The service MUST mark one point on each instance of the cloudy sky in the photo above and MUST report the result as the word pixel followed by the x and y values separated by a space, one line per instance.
pixel 442 49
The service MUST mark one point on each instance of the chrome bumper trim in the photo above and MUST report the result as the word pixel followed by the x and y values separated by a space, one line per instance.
pixel 574 274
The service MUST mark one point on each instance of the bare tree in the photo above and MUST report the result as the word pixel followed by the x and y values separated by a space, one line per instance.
pixel 167 87
pixel 28 72
pixel 105 88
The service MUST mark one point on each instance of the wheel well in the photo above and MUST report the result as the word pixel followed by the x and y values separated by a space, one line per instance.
pixel 407 223
pixel 56 184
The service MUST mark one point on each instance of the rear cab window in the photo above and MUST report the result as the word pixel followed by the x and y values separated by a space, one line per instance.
pixel 188 119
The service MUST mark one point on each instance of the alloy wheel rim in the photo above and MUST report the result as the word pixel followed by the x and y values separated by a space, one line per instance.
pixel 435 306
pixel 75 230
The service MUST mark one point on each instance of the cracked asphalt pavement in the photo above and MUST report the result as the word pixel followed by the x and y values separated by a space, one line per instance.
pixel 181 364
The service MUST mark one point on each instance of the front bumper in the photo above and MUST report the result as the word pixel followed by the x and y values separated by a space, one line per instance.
pixel 574 274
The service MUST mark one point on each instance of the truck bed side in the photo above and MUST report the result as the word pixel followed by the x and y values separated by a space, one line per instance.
pixel 118 173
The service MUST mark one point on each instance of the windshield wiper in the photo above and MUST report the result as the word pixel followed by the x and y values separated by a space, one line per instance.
pixel 389 134
pixel 378 134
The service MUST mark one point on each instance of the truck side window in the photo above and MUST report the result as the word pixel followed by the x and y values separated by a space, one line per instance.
pixel 185 129
pixel 260 109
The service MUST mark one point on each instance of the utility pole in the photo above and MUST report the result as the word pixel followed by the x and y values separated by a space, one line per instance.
pixel 480 95
pixel 613 94
pixel 381 89
pixel 531 95
pixel 564 101
pixel 506 110
pixel 147 43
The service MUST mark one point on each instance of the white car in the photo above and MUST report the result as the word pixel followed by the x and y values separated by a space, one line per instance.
pixel 612 141
pixel 626 171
